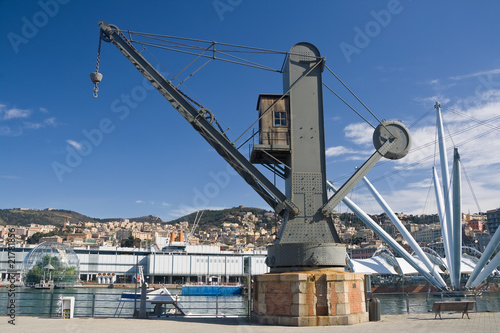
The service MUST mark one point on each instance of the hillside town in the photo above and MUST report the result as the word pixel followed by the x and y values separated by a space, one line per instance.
pixel 251 231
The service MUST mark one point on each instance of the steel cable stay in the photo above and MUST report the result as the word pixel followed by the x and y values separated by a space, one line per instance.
pixel 189 49
pixel 178 44
pixel 421 117
pixel 450 136
pixel 429 191
pixel 409 166
pixel 197 103
pixel 181 47
pixel 192 62
pixel 203 50
pixel 471 189
pixel 423 146
pixel 348 105
pixel 479 122
pixel 247 63
pixel 359 100
pixel 166 37
pixel 279 99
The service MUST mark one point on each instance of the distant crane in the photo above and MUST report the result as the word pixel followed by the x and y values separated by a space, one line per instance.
pixel 67 221
pixel 196 221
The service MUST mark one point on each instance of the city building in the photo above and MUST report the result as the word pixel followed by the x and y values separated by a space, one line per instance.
pixel 493 220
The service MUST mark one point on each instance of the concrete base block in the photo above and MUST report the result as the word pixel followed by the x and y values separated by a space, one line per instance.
pixel 309 298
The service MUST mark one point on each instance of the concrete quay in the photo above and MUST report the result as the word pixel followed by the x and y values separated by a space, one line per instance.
pixel 451 322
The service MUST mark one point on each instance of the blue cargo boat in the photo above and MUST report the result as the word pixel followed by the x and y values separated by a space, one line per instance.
pixel 207 290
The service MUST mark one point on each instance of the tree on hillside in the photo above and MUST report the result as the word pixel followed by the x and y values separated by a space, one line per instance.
pixel 130 242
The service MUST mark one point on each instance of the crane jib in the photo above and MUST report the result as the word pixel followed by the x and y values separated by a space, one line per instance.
pixel 265 188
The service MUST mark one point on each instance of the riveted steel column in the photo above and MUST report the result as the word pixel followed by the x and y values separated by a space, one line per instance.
pixel 308 239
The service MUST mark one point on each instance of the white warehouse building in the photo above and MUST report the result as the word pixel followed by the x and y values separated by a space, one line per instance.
pixel 190 264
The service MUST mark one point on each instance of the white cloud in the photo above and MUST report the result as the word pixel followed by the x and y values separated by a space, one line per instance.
pixel 405 184
pixel 43 110
pixel 337 151
pixel 359 133
pixel 30 125
pixel 46 122
pixel 153 203
pixel 8 177
pixel 433 99
pixel 14 113
pixel 50 121
pixel 475 131
pixel 8 131
pixel 476 74
pixel 75 144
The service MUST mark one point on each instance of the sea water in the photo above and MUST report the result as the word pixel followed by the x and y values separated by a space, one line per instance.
pixel 101 302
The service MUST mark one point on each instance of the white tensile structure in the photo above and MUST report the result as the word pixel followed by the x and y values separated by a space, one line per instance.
pixel 448 198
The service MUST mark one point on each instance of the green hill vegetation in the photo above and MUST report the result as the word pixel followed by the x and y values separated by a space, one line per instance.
pixel 25 217
pixel 216 218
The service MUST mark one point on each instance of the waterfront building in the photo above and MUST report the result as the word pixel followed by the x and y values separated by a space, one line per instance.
pixel 361 253
pixel 428 235
pixel 191 263
pixel 493 220
pixel 475 224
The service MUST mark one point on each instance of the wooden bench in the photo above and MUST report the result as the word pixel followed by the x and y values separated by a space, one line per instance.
pixel 458 306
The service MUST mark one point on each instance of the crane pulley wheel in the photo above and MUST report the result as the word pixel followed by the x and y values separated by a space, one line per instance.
pixel 207 114
pixel 393 129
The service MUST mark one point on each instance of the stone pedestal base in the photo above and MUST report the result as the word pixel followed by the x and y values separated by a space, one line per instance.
pixel 309 298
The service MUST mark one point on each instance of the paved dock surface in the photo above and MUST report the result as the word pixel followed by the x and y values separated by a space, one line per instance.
pixel 451 322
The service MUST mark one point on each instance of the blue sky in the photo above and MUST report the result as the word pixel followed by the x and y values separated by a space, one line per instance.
pixel 399 57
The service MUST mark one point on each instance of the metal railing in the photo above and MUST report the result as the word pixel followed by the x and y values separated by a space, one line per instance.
pixel 105 304
pixel 422 302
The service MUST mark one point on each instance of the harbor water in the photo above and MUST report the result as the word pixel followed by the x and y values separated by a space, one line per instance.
pixel 402 303
pixel 99 302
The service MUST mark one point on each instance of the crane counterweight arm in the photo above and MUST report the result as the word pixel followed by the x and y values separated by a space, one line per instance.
pixel 201 120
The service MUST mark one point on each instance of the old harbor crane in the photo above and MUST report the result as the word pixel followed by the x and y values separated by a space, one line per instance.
pixel 291 137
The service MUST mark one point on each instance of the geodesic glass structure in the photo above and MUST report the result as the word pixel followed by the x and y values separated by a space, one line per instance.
pixel 51 261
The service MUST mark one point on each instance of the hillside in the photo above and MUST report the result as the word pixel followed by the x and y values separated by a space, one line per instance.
pixel 210 219
pixel 25 217
pixel 215 218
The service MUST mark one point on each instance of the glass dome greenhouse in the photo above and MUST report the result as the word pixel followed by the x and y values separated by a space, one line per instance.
pixel 51 262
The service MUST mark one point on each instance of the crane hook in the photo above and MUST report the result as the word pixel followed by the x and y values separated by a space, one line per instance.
pixel 96 78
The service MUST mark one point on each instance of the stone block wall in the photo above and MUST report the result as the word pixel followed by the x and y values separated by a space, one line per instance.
pixel 310 298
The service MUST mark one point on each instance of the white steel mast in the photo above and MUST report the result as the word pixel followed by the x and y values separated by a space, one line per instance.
pixel 457 219
pixel 405 233
pixel 442 218
pixel 386 238
pixel 447 195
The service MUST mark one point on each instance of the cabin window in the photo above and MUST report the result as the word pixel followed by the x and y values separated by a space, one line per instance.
pixel 279 118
